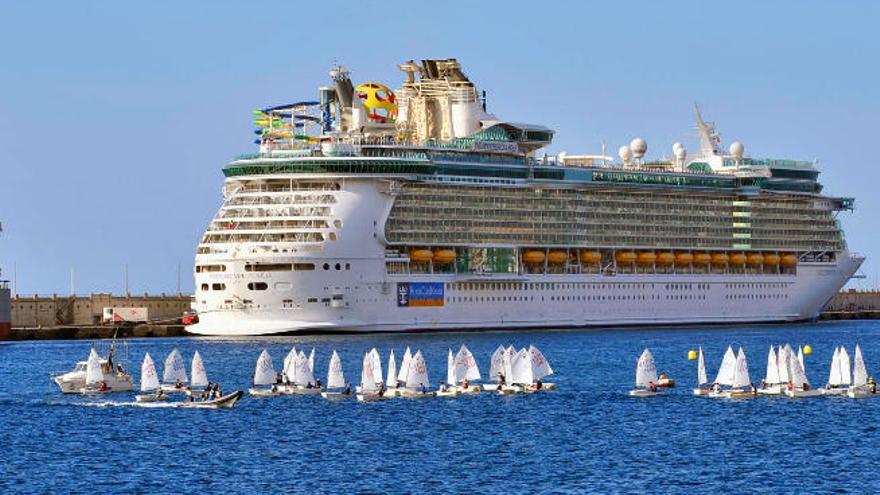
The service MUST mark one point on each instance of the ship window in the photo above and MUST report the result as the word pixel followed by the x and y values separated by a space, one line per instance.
pixel 326 266
pixel 204 286
pixel 268 267
pixel 313 299
pixel 257 286
pixel 337 266
pixel 210 268
pixel 348 266
pixel 303 266
pixel 218 287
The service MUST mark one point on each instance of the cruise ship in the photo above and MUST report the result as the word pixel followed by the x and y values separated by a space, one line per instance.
pixel 372 209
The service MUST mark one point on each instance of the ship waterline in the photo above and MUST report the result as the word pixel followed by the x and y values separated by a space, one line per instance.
pixel 394 224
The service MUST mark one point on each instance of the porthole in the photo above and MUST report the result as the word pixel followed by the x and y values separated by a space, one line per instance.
pixel 326 266
pixel 337 266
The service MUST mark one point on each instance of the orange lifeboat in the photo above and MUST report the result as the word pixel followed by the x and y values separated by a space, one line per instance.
pixel 421 255
pixel 755 259
pixel 684 258
pixel 665 258
pixel 591 256
pixel 444 256
pixel 625 257
pixel 533 257
pixel 702 259
pixel 647 258
pixel 738 259
pixel 788 260
pixel 771 259
pixel 720 258
pixel 557 257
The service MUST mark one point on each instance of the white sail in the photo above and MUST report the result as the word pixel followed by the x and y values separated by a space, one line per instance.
pixel 782 358
pixel 335 377
pixel 418 372
pixel 801 358
pixel 377 365
pixel 466 365
pixel 540 365
pixel 741 375
pixel 312 360
pixel 772 376
pixel 796 373
pixel 844 365
pixel 496 363
pixel 149 377
pixel 264 374
pixel 450 369
pixel 391 382
pixel 304 375
pixel 728 368
pixel 834 377
pixel 288 369
pixel 506 363
pixel 175 370
pixel 646 370
pixel 521 368
pixel 199 374
pixel 404 366
pixel 860 373
pixel 93 369
pixel 368 384
pixel 701 368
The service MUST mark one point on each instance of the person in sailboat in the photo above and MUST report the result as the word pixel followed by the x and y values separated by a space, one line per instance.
pixel 442 386
pixel 465 384
pixel 872 384
pixel 309 385
pixel 119 370
pixel 102 386
pixel 381 386
pixel 763 383
pixel 753 389
pixel 501 379
pixel 538 384
pixel 347 390
pixel 177 384
pixel 279 378
pixel 423 389
pixel 318 383
pixel 652 386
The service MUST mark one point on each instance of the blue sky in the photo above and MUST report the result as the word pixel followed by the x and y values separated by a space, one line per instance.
pixel 116 117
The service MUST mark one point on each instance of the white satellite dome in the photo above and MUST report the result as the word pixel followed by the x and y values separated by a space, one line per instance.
pixel 638 147
pixel 680 152
pixel 736 150
pixel 676 146
pixel 625 153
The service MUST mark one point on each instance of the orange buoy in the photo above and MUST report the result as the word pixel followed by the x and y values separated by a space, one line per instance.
pixel 720 259
pixel 665 258
pixel 755 259
pixel 533 257
pixel 421 255
pixel 557 257
pixel 647 258
pixel 684 258
pixel 771 259
pixel 591 256
pixel 625 257
pixel 788 260
pixel 738 259
pixel 702 258
pixel 444 256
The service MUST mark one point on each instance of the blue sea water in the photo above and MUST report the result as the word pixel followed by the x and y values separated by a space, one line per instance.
pixel 589 436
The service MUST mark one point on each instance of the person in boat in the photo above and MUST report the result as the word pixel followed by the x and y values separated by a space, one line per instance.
pixel 538 384
pixel 160 394
pixel 177 384
pixel 309 386
pixel 347 390
pixel 790 385
pixel 763 384
pixel 872 385
pixel 274 388
pixel 381 392
pixel 652 386
pixel 318 383
pixel 442 387
pixel 805 386
pixel 423 389
pixel 465 384
pixel 279 378
pixel 716 387
pixel 119 370
pixel 753 389
pixel 501 379
pixel 102 386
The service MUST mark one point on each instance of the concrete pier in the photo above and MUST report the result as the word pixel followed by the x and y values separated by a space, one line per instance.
pixel 94 332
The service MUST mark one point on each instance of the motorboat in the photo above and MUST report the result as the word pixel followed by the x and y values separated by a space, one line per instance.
pixel 224 402
pixel 115 380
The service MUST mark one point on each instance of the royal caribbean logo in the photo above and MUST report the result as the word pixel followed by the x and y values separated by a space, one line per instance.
pixel 419 294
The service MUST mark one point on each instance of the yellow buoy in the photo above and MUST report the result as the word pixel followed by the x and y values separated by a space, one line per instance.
pixel 808 349
pixel 692 354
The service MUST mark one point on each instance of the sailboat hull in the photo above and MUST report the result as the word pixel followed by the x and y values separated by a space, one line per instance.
pixel 861 393
pixel 225 402
pixel 335 395
pixel 803 394
pixel 264 392
pixel 772 390
pixel 645 393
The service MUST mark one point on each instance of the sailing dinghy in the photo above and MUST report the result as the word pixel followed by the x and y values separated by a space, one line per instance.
pixel 839 375
pixel 448 388
pixel 417 382
pixel 734 373
pixel 265 377
pixel 95 383
pixel 496 369
pixel 303 380
pixel 336 386
pixel 152 392
pixel 371 388
pixel 198 376
pixel 860 388
pixel 772 383
pixel 701 376
pixel 174 375
pixel 646 377
pixel 798 384
pixel 466 372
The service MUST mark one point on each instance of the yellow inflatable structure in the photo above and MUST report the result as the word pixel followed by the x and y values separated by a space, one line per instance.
pixel 379 100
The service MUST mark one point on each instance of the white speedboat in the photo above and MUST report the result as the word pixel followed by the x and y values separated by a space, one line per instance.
pixel 225 402
pixel 116 380
pixel 646 377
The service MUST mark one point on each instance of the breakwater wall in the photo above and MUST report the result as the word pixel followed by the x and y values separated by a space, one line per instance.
pixel 81 311
pixel 94 332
